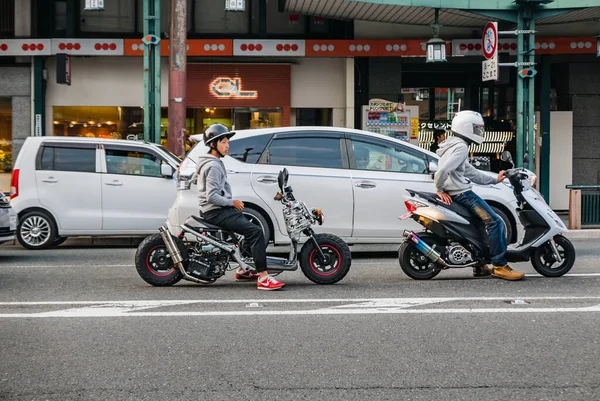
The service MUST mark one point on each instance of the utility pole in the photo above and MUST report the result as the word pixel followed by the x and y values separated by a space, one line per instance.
pixel 177 77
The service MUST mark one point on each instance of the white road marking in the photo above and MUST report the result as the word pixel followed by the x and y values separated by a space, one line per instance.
pixel 350 307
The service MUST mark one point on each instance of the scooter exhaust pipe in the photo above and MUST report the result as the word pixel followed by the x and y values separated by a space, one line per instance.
pixel 425 249
pixel 176 255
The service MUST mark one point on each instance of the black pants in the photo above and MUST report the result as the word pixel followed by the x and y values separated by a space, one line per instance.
pixel 233 220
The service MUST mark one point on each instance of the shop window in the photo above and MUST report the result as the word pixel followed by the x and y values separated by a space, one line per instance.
pixel 371 156
pixel 111 122
pixel 5 135
pixel 132 163
pixel 257 118
pixel 312 117
pixel 210 17
pixel 118 16
pixel 249 149
pixel 306 152
pixel 81 160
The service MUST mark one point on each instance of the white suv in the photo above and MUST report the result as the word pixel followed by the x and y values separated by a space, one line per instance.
pixel 361 203
pixel 69 186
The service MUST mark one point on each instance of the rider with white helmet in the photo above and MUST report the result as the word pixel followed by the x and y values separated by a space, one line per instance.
pixel 453 182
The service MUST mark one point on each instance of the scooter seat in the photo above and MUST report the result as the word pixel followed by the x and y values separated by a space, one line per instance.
pixel 202 224
pixel 454 206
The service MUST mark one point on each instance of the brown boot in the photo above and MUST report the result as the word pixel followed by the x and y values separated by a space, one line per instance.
pixel 482 271
pixel 507 273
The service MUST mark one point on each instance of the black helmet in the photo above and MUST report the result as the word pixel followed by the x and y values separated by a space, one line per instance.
pixel 216 132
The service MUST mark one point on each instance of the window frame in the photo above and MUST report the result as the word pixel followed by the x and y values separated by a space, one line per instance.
pixel 68 145
pixel 382 142
pixel 269 138
pixel 309 134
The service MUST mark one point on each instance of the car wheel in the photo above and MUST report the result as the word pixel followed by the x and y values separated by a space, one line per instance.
pixel 36 230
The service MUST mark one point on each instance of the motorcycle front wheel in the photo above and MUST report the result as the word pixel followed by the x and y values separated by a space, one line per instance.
pixel 414 264
pixel 337 259
pixel 545 263
pixel 155 265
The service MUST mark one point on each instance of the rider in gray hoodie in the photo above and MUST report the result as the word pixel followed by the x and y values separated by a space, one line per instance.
pixel 218 207
pixel 454 182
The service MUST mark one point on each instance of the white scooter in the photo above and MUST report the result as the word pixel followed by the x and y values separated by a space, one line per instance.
pixel 455 238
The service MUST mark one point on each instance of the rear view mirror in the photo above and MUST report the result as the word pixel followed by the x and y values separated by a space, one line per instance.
pixel 166 170
pixel 505 156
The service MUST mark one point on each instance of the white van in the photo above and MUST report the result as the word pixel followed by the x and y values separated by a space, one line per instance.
pixel 70 186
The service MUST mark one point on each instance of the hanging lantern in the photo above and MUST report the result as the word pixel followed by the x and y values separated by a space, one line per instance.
pixel 436 51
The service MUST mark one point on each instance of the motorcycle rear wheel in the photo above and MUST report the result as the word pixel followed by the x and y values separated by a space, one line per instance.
pixel 154 263
pixel 331 270
pixel 414 264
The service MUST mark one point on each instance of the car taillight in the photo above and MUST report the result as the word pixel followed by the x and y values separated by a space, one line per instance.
pixel 14 184
pixel 410 207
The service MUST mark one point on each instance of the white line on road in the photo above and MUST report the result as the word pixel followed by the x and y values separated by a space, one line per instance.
pixel 351 307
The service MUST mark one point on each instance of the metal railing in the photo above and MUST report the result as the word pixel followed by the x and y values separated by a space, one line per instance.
pixel 584 206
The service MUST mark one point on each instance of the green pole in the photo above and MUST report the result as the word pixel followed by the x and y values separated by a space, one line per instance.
pixel 520 153
pixel 157 74
pixel 531 89
pixel 152 74
pixel 545 128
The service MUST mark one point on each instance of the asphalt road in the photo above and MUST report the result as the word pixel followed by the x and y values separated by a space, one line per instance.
pixel 79 324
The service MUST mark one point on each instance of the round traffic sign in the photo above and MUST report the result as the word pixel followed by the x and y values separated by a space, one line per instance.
pixel 490 40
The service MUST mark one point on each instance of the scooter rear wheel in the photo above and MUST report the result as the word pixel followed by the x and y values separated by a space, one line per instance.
pixel 155 265
pixel 544 262
pixel 414 264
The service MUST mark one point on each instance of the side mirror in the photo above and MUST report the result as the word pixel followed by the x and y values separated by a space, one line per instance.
pixel 166 170
pixel 433 167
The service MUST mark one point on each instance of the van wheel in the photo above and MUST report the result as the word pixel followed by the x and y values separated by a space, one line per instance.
pixel 36 230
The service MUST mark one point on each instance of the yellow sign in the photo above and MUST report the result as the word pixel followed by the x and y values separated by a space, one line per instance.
pixel 414 128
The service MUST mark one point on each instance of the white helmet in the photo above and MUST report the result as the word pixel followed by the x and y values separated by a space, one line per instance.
pixel 469 125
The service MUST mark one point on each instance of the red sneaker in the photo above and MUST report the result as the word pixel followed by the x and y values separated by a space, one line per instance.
pixel 268 283
pixel 246 275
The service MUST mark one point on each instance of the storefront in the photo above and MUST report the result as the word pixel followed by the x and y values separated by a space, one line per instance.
pixel 15 117
pixel 105 97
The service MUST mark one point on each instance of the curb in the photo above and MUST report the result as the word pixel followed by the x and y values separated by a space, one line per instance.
pixel 590 233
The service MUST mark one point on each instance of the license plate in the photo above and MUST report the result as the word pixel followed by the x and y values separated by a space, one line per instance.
pixel 13 223
pixel 406 216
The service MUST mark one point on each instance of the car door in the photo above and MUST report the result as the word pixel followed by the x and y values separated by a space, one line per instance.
pixel 135 196
pixel 318 166
pixel 69 185
pixel 379 185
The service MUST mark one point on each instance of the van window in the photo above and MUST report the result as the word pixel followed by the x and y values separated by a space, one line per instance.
pixel 82 160
pixel 132 162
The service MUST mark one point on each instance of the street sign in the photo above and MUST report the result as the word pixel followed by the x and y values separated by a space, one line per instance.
pixel 490 40
pixel 489 70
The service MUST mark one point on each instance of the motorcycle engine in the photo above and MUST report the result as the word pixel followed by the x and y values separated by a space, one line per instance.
pixel 207 265
pixel 458 255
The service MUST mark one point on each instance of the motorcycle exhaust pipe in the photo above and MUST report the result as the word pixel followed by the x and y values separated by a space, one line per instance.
pixel 176 255
pixel 425 249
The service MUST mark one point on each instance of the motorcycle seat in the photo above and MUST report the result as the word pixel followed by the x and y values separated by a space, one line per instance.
pixel 454 206
pixel 202 224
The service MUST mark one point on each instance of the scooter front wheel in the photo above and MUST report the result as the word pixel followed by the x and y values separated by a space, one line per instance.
pixel 545 263
pixel 414 264
pixel 337 259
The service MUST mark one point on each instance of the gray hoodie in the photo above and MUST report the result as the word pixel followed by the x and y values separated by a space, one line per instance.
pixel 455 173
pixel 213 189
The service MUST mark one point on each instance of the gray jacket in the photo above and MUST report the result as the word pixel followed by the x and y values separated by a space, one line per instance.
pixel 213 189
pixel 455 174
